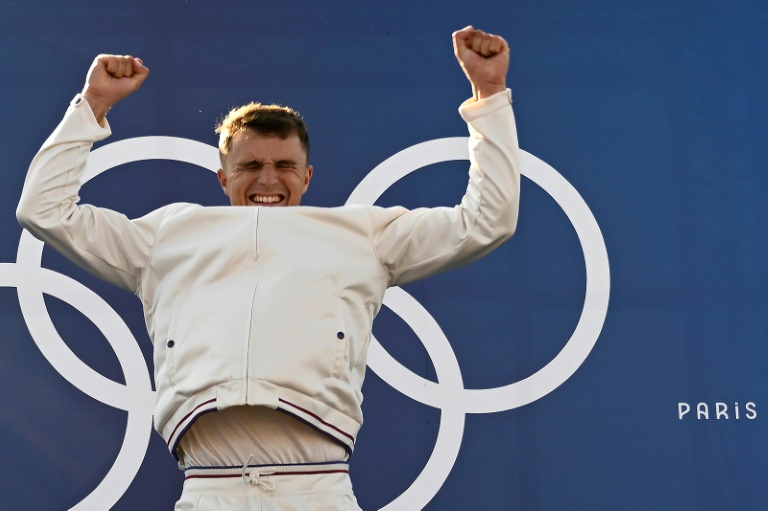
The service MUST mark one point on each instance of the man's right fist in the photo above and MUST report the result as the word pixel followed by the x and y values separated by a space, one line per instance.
pixel 110 79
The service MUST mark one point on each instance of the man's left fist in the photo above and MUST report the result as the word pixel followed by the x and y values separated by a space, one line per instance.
pixel 484 58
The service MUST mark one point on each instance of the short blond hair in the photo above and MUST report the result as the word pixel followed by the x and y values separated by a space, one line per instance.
pixel 276 120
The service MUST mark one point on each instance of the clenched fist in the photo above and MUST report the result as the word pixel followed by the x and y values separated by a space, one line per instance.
pixel 110 79
pixel 484 59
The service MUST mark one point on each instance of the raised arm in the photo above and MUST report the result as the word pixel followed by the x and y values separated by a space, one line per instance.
pixel 102 241
pixel 413 244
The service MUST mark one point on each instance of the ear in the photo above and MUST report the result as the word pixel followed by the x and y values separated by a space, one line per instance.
pixel 223 181
pixel 307 177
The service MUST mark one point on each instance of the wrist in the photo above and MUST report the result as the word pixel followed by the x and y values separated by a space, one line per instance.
pixel 98 106
pixel 487 90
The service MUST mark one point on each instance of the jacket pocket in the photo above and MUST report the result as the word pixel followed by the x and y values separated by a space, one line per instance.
pixel 340 364
pixel 172 348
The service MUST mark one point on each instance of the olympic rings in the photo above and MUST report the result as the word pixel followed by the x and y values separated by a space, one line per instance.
pixel 448 393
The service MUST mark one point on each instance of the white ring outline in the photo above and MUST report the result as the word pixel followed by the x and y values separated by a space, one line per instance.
pixel 452 419
pixel 136 396
pixel 596 295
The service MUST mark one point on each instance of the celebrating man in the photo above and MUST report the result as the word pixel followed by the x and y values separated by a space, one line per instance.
pixel 261 317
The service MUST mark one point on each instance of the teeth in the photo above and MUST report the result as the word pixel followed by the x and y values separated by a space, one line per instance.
pixel 268 199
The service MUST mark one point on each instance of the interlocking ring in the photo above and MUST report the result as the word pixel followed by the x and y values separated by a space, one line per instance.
pixel 451 396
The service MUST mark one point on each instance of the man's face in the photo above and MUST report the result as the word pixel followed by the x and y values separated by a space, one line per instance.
pixel 265 170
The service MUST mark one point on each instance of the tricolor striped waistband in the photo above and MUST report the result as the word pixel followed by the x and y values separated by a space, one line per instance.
pixel 331 467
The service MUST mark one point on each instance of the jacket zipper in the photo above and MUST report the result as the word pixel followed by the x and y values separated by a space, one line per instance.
pixel 255 249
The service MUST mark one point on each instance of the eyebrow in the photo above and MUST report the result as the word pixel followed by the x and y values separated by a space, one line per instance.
pixel 259 163
pixel 248 163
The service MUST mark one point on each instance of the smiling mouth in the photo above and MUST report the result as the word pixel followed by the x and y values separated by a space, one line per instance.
pixel 266 200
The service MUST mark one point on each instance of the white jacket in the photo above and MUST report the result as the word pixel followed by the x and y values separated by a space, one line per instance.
pixel 268 306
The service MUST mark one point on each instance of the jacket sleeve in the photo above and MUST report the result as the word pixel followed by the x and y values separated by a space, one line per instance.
pixel 413 244
pixel 99 240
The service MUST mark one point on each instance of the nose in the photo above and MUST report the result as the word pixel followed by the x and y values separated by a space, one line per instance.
pixel 268 174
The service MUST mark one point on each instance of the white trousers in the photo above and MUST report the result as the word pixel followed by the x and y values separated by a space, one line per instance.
pixel 296 487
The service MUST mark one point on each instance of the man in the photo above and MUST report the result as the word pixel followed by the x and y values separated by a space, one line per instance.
pixel 261 317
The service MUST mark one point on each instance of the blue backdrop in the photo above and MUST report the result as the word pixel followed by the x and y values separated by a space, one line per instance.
pixel 654 112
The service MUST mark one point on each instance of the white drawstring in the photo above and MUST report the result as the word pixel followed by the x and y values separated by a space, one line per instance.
pixel 254 477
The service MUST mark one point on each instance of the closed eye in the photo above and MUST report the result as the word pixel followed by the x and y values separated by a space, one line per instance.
pixel 285 164
pixel 250 165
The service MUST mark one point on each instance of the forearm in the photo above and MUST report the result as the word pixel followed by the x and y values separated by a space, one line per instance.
pixel 494 162
pixel 415 244
pixel 101 241
pixel 53 181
